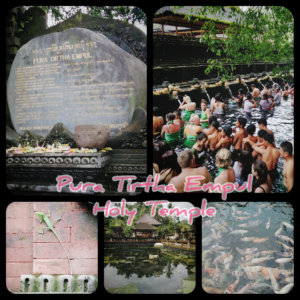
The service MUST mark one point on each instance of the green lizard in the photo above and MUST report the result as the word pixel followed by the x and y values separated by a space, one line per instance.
pixel 44 218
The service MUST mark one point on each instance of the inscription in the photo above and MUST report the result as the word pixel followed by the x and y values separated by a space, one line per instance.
pixel 73 83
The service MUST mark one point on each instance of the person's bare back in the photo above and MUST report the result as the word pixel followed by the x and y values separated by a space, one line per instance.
pixel 179 181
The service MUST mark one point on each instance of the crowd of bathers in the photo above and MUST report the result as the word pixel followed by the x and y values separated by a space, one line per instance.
pixel 237 151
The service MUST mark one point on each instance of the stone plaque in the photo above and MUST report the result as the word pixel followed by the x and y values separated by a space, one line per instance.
pixel 77 77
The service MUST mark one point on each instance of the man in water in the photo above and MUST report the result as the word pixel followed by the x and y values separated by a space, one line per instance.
pixel 248 105
pixel 239 136
pixel 270 154
pixel 250 130
pixel 259 143
pixel 210 129
pixel 213 138
pixel 255 92
pixel 286 152
pixel 226 138
pixel 262 125
pixel 186 161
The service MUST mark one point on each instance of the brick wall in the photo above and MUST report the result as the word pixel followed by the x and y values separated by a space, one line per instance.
pixel 29 252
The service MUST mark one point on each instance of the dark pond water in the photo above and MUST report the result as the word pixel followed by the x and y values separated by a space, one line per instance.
pixel 130 271
pixel 280 121
pixel 239 229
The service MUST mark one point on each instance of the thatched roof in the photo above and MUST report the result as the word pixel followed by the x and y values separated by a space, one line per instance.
pixel 143 227
pixel 146 219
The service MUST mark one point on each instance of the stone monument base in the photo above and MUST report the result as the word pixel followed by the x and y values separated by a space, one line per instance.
pixel 37 173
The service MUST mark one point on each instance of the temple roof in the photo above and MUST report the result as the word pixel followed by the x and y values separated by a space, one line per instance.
pixel 146 219
pixel 144 227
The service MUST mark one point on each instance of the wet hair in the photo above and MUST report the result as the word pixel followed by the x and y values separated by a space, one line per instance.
pixel 269 138
pixel 223 158
pixel 155 111
pixel 253 85
pixel 251 129
pixel 241 91
pixel 249 96
pixel 287 147
pixel 169 160
pixel 261 133
pixel 262 121
pixel 212 118
pixel 201 136
pixel 260 167
pixel 265 96
pixel 242 121
pixel 218 97
pixel 170 116
pixel 245 158
pixel 158 149
pixel 215 124
pixel 203 101
pixel 227 130
pixel 184 158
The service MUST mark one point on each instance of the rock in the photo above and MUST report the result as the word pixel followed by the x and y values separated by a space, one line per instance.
pixel 158 245
pixel 153 256
pixel 30 139
pixel 12 138
pixel 76 77
pixel 91 136
pixel 59 134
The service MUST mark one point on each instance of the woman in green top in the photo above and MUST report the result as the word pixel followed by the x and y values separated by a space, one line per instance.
pixel 191 130
pixel 223 162
pixel 189 108
pixel 205 114
pixel 171 131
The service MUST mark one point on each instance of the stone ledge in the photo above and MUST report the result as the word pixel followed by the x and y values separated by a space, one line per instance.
pixel 63 284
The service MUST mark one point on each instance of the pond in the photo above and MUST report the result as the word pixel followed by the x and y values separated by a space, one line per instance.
pixel 148 271
pixel 243 243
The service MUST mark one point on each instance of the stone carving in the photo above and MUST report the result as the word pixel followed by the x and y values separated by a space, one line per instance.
pixel 98 160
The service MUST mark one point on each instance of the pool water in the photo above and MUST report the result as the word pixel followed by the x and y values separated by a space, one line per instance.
pixel 240 226
pixel 129 270
pixel 280 121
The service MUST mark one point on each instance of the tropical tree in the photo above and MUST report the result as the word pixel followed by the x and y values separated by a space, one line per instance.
pixel 254 33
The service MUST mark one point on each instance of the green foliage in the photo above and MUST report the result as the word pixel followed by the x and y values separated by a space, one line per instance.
pixel 259 33
pixel 129 14
pixel 168 223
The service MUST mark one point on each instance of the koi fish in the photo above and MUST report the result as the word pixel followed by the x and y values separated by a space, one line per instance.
pixel 283 260
pixel 260 240
pixel 285 289
pixel 230 288
pixel 286 238
pixel 268 224
pixel 239 232
pixel 288 225
pixel 273 281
